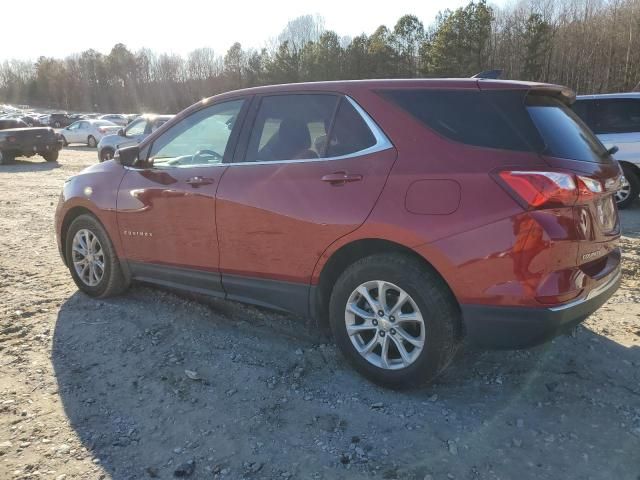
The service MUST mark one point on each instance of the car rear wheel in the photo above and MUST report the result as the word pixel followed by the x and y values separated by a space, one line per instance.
pixel 64 141
pixel 91 141
pixel 106 154
pixel 51 156
pixel 92 260
pixel 630 188
pixel 394 320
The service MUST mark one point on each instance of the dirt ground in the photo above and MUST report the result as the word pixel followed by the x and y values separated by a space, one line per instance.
pixel 156 385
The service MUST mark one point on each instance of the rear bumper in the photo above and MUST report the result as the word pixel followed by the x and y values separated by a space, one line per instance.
pixel 520 327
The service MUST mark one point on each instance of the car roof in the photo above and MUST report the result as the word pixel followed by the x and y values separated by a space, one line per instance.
pixel 343 85
pixel 609 95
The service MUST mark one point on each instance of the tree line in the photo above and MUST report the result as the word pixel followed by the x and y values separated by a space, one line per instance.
pixel 592 46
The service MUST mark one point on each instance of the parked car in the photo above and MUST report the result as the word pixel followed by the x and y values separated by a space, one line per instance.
pixel 59 120
pixel 615 119
pixel 133 134
pixel 17 139
pixel 115 118
pixel 409 214
pixel 89 132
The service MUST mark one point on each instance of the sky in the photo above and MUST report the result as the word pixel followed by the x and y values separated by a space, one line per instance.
pixel 57 29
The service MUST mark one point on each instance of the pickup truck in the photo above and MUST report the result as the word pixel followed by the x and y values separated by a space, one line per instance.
pixel 16 139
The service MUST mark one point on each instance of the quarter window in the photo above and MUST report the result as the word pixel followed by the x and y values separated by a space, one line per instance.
pixel 291 127
pixel 200 139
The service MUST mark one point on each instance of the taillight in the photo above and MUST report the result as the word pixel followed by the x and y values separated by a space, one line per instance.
pixel 544 189
pixel 102 130
pixel 11 139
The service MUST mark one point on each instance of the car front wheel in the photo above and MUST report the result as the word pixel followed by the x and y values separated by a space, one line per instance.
pixel 395 320
pixel 92 260
pixel 91 141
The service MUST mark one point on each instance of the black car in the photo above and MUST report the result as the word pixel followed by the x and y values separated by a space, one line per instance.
pixel 17 139
pixel 60 120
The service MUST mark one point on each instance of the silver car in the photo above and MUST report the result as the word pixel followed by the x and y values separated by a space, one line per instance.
pixel 615 119
pixel 133 134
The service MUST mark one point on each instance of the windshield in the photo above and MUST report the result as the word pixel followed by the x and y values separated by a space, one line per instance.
pixel 564 134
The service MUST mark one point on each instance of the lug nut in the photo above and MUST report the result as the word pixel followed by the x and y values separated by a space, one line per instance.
pixel 381 313
pixel 382 334
pixel 392 331
pixel 375 322
pixel 392 318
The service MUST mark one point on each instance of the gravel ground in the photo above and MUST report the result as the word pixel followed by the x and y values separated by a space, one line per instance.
pixel 156 385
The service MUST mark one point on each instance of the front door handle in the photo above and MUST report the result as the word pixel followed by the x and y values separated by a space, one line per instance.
pixel 340 178
pixel 196 182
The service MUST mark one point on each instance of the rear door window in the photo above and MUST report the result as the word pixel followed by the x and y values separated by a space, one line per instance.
pixel 616 115
pixel 291 127
pixel 350 134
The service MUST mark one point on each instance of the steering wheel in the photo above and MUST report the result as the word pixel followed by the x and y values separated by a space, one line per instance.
pixel 202 153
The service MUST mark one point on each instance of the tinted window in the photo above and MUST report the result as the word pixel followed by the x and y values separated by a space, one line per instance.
pixel 350 133
pixel 471 117
pixel 291 127
pixel 564 134
pixel 199 139
pixel 616 116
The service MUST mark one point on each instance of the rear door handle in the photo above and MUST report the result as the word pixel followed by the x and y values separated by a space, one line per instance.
pixel 196 182
pixel 340 178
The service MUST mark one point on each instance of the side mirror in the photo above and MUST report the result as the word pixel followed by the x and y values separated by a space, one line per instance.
pixel 127 156
pixel 613 150
pixel 121 132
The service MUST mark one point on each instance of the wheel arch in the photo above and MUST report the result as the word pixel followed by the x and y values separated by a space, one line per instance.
pixel 635 168
pixel 348 254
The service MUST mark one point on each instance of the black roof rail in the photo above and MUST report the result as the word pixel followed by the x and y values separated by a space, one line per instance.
pixel 489 74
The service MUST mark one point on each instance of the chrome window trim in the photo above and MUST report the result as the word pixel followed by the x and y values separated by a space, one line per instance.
pixel 382 143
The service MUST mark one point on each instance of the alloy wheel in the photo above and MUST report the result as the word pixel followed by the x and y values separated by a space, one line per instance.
pixel 385 325
pixel 624 191
pixel 88 257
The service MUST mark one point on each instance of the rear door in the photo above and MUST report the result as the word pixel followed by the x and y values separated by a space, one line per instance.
pixel 166 210
pixel 309 171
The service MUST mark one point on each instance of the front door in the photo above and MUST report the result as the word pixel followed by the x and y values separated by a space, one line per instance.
pixel 166 212
pixel 312 169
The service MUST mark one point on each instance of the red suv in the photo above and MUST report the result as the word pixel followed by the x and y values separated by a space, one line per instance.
pixel 409 214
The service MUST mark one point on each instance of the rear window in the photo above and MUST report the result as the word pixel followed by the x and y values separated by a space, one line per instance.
pixel 564 134
pixel 503 119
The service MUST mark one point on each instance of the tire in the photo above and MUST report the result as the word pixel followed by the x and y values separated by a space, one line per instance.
pixel 632 190
pixel 435 304
pixel 51 156
pixel 6 158
pixel 106 154
pixel 64 141
pixel 112 281
pixel 91 141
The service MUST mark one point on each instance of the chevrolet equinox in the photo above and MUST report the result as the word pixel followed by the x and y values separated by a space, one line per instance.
pixel 407 214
